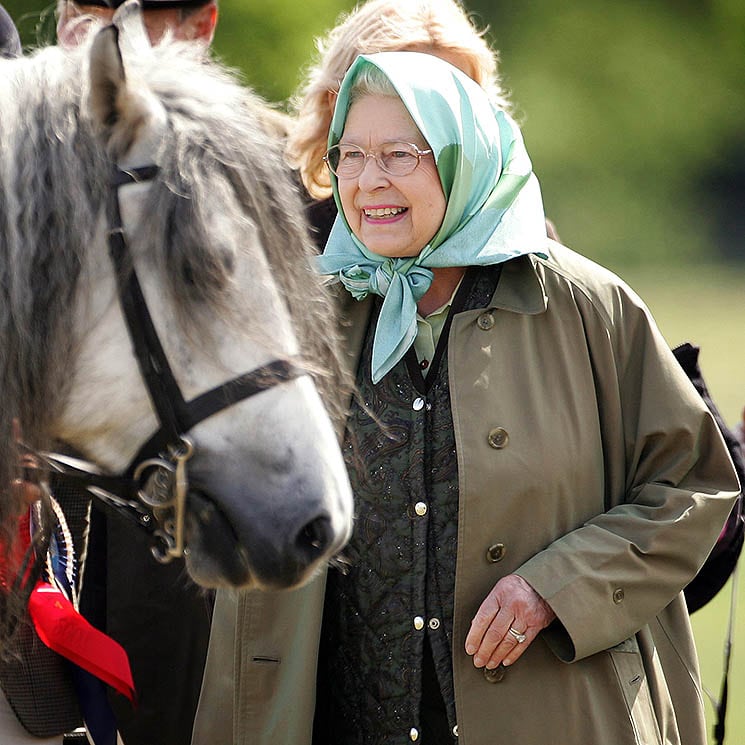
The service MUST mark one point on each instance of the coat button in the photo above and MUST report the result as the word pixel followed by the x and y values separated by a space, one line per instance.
pixel 418 623
pixel 618 595
pixel 495 675
pixel 498 438
pixel 455 731
pixel 434 623
pixel 495 553
pixel 420 508
pixel 413 734
pixel 486 320
pixel 418 404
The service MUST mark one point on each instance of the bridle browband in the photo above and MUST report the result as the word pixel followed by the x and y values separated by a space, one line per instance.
pixel 155 483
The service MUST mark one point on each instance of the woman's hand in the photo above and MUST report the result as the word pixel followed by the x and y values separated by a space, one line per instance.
pixel 507 622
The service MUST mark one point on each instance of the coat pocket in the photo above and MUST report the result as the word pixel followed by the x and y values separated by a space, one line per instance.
pixel 632 680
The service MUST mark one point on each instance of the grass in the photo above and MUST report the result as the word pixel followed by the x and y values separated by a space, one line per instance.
pixel 706 306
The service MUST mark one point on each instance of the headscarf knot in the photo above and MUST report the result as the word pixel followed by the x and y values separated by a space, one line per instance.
pixel 377 278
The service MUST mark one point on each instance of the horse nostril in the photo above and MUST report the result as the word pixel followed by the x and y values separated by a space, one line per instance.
pixel 314 538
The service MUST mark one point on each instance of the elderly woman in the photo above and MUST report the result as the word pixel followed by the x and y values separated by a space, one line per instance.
pixel 536 479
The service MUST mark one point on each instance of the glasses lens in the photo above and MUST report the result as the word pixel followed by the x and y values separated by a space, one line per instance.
pixel 399 158
pixel 346 161
pixel 395 158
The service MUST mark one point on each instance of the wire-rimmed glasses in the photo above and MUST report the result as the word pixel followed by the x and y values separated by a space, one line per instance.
pixel 395 158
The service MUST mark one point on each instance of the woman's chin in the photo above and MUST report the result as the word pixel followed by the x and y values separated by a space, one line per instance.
pixel 392 251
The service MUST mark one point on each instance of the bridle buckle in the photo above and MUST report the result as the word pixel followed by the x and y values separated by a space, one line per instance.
pixel 162 484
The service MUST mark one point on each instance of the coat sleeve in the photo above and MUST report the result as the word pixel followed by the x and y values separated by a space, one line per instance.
pixel 670 485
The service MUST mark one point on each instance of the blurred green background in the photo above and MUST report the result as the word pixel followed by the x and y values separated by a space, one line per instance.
pixel 634 114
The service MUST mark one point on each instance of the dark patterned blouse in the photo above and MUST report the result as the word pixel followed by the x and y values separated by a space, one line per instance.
pixel 385 669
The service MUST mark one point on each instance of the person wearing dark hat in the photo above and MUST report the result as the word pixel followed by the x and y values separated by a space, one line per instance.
pixel 188 20
pixel 10 42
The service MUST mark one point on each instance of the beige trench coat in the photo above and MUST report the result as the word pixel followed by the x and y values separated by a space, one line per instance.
pixel 588 465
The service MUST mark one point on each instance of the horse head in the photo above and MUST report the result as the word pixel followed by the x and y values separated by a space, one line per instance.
pixel 214 235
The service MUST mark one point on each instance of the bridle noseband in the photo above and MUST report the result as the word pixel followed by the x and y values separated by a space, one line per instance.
pixel 155 483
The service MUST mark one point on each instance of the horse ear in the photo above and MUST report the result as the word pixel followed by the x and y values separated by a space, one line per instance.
pixel 129 20
pixel 107 78
pixel 122 114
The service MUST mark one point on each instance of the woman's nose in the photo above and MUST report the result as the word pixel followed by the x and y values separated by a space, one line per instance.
pixel 372 176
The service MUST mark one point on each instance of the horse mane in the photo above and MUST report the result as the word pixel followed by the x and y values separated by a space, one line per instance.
pixel 48 205
pixel 54 174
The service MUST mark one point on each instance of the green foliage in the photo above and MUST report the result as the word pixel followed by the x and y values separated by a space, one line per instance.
pixel 629 111
pixel 35 21
pixel 271 43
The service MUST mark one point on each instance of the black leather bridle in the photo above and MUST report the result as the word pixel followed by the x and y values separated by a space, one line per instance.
pixel 153 488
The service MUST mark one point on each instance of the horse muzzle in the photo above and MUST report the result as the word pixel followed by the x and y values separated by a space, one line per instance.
pixel 271 550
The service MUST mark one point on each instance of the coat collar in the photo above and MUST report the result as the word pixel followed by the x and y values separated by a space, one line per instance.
pixel 521 287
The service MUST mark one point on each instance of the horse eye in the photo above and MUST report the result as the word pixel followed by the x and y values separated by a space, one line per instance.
pixel 209 270
pixel 227 259
pixel 187 274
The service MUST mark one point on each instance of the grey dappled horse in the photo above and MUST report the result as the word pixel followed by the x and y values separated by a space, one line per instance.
pixel 214 230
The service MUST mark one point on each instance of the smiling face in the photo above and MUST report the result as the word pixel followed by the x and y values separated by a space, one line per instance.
pixel 392 216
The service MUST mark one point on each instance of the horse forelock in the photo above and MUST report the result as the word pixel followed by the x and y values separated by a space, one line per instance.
pixel 216 159
pixel 219 158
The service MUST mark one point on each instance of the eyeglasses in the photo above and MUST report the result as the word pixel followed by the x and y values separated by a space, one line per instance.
pixel 395 158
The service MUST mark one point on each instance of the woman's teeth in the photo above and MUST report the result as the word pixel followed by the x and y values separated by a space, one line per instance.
pixel 384 211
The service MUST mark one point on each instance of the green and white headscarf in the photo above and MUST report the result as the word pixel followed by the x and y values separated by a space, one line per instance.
pixel 494 209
